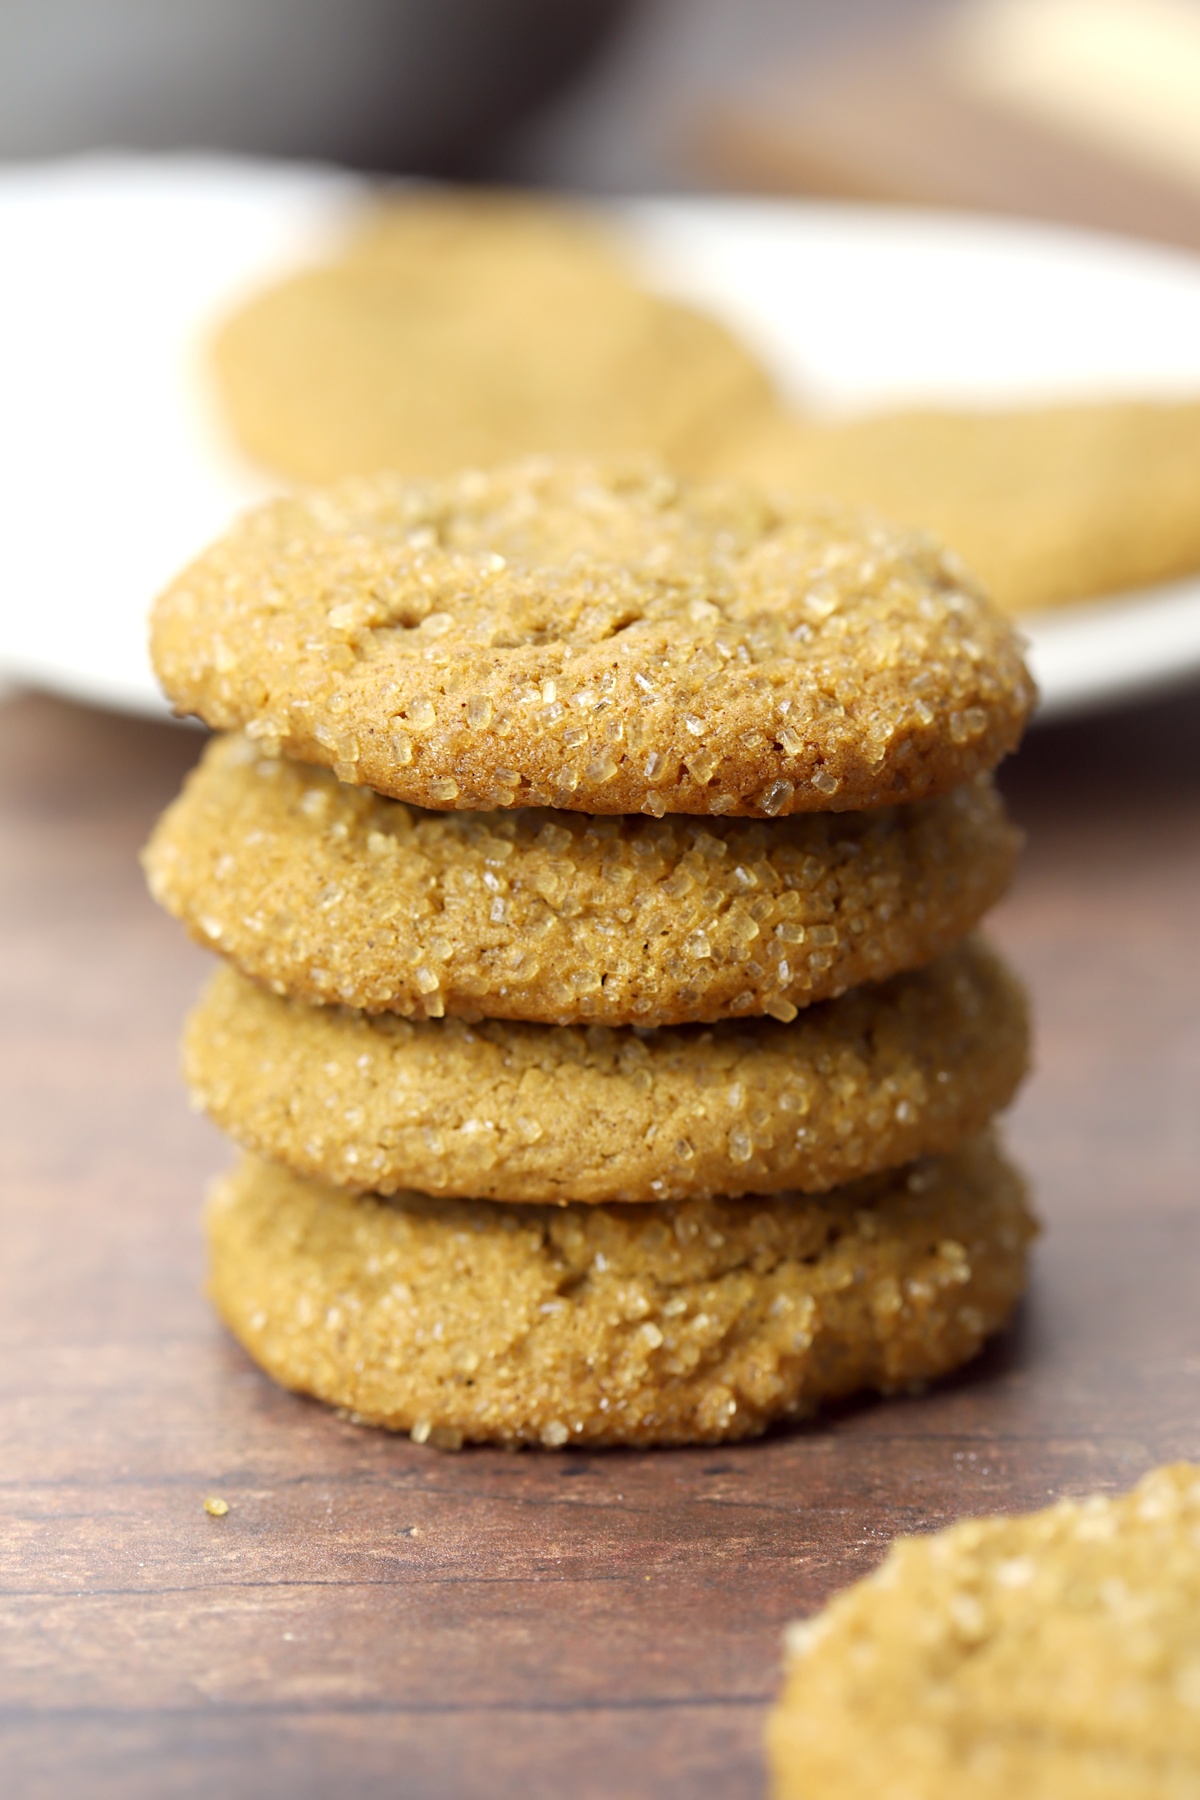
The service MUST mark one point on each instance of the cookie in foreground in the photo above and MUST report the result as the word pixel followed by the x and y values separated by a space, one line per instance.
pixel 543 1113
pixel 685 1322
pixel 1048 1656
pixel 605 640
pixel 327 892
pixel 455 330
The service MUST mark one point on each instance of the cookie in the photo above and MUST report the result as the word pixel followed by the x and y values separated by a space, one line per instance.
pixel 1046 505
pixel 327 892
pixel 674 1323
pixel 1047 1656
pixel 608 642
pixel 456 331
pixel 546 1113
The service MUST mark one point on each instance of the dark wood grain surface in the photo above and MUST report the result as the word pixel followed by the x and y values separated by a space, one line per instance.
pixel 371 1618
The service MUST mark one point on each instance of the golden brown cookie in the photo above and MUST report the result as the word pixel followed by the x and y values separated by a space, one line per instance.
pixel 326 892
pixel 457 331
pixel 1046 505
pixel 1051 1657
pixel 675 1323
pixel 545 1113
pixel 608 642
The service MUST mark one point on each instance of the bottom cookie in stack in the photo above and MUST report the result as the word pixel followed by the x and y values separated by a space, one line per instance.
pixel 678 1322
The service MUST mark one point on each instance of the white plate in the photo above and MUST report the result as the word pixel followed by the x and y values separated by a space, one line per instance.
pixel 114 468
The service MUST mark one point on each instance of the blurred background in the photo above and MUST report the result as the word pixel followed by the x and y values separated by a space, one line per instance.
pixel 144 1653
pixel 1085 110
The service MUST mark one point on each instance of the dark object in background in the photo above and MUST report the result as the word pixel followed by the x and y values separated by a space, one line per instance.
pixel 425 86
pixel 910 115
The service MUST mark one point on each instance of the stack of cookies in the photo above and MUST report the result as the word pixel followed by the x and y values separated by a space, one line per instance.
pixel 594 858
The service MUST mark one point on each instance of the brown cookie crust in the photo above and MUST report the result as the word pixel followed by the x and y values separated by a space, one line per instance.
pixel 544 1113
pixel 459 330
pixel 602 641
pixel 330 893
pixel 1046 1656
pixel 679 1323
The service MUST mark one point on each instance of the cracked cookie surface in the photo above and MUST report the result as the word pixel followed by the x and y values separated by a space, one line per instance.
pixel 682 1322
pixel 328 892
pixel 607 641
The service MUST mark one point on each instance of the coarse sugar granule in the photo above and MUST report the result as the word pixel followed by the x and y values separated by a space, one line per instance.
pixel 329 892
pixel 541 1113
pixel 682 1322
pixel 833 662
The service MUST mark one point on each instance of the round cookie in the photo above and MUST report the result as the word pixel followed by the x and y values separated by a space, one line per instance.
pixel 681 1322
pixel 546 1113
pixel 554 634
pixel 1046 504
pixel 1047 1656
pixel 455 331
pixel 327 892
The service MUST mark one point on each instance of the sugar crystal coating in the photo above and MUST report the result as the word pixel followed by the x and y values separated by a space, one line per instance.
pixel 1051 1655
pixel 830 662
pixel 544 1113
pixel 331 893
pixel 684 1322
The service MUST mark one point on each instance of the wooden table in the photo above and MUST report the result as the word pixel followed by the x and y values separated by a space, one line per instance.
pixel 371 1618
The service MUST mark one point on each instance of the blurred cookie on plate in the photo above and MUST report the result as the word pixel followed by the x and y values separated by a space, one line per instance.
pixel 1047 505
pixel 459 330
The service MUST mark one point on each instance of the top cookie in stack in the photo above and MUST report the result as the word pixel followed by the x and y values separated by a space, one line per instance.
pixel 549 635
pixel 579 747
